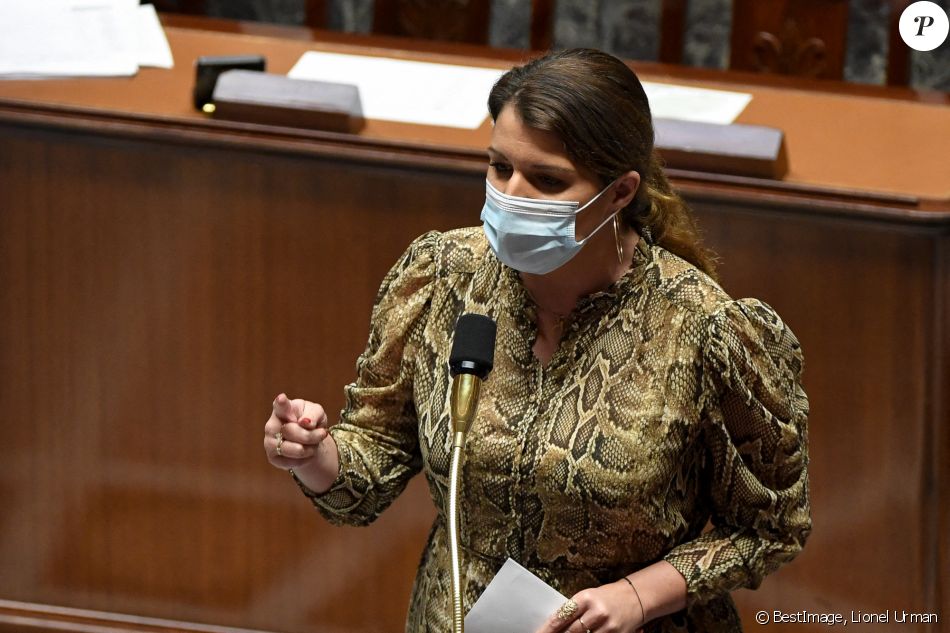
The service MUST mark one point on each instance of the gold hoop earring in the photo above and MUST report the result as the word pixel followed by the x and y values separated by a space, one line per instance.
pixel 617 237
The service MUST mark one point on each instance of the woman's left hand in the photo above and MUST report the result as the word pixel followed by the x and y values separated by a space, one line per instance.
pixel 611 608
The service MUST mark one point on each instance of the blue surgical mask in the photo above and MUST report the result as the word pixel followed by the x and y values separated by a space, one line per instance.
pixel 533 235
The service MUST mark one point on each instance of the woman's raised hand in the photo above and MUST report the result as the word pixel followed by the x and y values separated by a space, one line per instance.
pixel 296 437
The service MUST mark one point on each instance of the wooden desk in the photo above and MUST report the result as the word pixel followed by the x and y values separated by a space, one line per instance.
pixel 165 275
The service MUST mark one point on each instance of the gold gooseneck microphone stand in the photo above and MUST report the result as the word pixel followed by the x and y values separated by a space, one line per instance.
pixel 471 359
pixel 464 399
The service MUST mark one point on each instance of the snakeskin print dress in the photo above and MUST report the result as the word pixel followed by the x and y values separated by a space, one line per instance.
pixel 670 424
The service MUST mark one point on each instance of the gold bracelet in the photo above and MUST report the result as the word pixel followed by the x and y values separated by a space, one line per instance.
pixel 643 614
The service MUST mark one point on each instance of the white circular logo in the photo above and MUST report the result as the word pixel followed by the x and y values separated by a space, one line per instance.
pixel 924 26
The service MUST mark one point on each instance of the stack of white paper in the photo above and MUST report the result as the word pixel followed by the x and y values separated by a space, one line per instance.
pixel 79 38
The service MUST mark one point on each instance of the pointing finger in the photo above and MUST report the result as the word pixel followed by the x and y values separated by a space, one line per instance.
pixel 284 409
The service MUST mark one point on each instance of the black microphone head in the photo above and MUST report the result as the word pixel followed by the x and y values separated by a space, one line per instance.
pixel 473 349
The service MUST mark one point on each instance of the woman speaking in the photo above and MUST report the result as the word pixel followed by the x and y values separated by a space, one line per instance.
pixel 641 442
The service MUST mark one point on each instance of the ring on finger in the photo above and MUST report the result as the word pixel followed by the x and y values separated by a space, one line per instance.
pixel 586 628
pixel 567 610
pixel 280 440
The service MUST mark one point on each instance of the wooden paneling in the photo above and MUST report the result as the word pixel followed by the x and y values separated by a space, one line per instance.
pixel 21 617
pixel 792 37
pixel 452 21
pixel 938 415
pixel 155 300
pixel 672 31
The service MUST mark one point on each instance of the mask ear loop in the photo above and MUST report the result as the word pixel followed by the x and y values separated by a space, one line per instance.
pixel 617 237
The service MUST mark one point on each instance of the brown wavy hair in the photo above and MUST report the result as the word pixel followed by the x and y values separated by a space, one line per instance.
pixel 596 105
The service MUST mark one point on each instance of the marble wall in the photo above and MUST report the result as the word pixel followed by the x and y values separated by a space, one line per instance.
pixel 628 28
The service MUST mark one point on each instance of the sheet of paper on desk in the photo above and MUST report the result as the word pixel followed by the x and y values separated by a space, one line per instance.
pixel 78 38
pixel 407 91
pixel 152 49
pixel 515 601
pixel 695 104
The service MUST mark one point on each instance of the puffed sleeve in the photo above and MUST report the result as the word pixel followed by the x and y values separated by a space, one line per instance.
pixel 377 433
pixel 755 440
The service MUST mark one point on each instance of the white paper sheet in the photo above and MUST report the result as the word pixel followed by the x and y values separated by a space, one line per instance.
pixel 68 38
pixel 152 47
pixel 695 104
pixel 456 96
pixel 515 601
pixel 407 91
